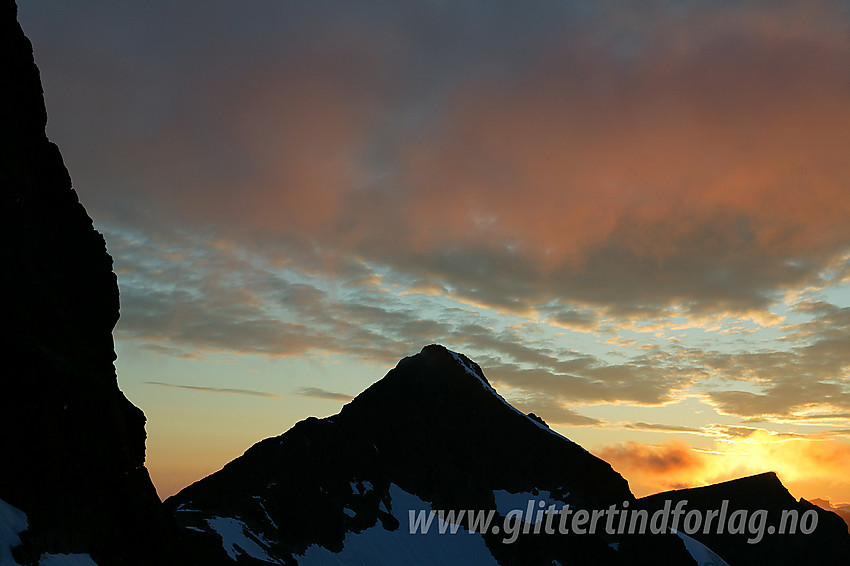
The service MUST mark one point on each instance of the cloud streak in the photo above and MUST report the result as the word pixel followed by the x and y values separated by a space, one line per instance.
pixel 319 393
pixel 224 390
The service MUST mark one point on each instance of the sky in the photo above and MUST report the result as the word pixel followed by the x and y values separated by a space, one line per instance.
pixel 632 215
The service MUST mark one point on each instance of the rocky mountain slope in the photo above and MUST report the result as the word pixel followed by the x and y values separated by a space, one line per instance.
pixel 72 447
pixel 432 434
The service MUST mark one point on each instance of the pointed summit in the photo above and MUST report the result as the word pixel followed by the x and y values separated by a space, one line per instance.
pixel 432 434
pixel 448 378
pixel 439 403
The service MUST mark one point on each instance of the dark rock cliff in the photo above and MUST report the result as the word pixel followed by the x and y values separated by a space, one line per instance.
pixel 72 447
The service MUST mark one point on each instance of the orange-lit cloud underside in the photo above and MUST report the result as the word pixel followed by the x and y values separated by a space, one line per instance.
pixel 809 468
pixel 589 166
pixel 704 162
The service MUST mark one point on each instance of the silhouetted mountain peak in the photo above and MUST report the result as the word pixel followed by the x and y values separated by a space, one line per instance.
pixel 756 490
pixel 435 370
pixel 764 492
pixel 441 389
pixel 434 434
pixel 432 427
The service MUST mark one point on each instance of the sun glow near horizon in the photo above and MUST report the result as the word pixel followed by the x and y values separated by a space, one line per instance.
pixel 633 216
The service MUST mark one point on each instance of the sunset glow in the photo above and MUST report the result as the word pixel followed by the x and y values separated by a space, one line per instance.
pixel 632 216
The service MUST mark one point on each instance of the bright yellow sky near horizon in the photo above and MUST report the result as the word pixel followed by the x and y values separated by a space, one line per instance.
pixel 196 432
pixel 632 215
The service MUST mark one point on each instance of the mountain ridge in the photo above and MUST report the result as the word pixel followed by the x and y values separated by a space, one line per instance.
pixel 829 543
pixel 434 434
pixel 436 429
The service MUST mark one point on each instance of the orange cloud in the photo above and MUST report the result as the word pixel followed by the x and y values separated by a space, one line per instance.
pixel 810 467
pixel 730 149
pixel 667 466
pixel 639 159
pixel 709 174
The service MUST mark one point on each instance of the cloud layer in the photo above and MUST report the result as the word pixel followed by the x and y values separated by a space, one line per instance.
pixel 568 154
pixel 603 203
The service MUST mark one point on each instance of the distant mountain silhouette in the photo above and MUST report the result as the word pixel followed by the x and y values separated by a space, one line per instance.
pixel 434 434
pixel 828 544
pixel 433 430
pixel 842 510
pixel 72 447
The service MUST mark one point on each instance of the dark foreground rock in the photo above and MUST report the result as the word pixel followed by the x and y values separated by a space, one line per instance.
pixel 72 447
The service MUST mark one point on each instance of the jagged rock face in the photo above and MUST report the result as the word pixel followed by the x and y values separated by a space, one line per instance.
pixel 432 427
pixel 828 544
pixel 72 447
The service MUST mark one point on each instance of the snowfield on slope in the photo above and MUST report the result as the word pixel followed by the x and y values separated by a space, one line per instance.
pixel 377 546
pixel 13 522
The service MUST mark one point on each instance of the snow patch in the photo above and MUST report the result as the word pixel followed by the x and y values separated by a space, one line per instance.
pixel 66 560
pixel 703 555
pixel 269 517
pixel 360 487
pixel 489 388
pixel 235 539
pixel 13 521
pixel 377 546
pixel 348 512
pixel 469 369
pixel 507 502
